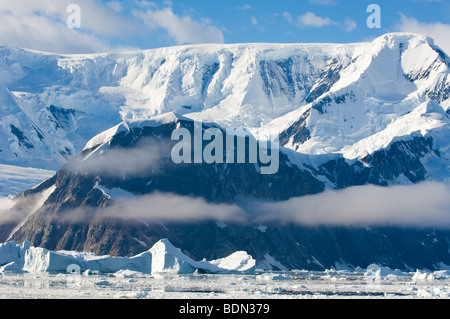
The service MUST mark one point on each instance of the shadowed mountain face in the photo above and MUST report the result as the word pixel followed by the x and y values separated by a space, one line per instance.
pixel 345 115
pixel 80 209
pixel 81 184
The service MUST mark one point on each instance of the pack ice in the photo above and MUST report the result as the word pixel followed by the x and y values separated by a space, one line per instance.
pixel 163 257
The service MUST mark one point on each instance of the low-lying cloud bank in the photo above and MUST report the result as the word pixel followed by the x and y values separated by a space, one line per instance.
pixel 5 206
pixel 14 211
pixel 422 205
pixel 146 156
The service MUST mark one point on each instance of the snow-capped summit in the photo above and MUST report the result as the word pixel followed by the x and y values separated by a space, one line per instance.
pixel 346 115
pixel 322 98
pixel 155 121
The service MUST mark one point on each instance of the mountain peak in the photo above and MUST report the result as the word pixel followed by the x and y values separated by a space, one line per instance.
pixel 128 125
pixel 236 86
pixel 155 121
pixel 348 115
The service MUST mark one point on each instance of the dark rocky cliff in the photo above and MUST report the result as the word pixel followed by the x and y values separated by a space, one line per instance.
pixel 76 188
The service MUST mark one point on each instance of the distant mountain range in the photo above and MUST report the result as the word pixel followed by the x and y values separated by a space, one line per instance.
pixel 345 115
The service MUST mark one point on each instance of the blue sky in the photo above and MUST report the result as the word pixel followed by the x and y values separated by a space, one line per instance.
pixel 112 25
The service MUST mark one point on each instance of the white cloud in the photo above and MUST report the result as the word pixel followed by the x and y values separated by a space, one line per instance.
pixel 42 25
pixel 12 211
pixel 425 205
pixel 115 5
pixel 5 205
pixel 438 31
pixel 39 33
pixel 245 7
pixel 309 19
pixel 254 21
pixel 420 205
pixel 181 29
pixel 323 2
pixel 130 162
pixel 349 25
pixel 159 207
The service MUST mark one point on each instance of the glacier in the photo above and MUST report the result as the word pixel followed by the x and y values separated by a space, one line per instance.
pixel 349 99
pixel 346 114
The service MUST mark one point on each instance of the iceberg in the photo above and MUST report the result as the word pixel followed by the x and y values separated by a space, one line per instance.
pixel 168 259
pixel 12 252
pixel 162 258
pixel 240 262
pixel 12 267
pixel 42 260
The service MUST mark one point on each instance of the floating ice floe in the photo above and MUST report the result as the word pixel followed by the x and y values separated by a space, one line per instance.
pixel 163 257
pixel 422 276
pixel 12 267
pixel 380 271
pixel 239 261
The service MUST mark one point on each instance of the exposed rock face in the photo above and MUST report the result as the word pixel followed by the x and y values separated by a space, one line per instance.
pixel 348 115
pixel 402 158
pixel 78 186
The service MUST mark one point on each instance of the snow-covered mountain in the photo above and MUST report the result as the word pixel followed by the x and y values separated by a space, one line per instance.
pixel 346 115
pixel 123 193
pixel 351 99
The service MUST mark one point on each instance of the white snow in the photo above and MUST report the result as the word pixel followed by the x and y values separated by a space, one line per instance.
pixel 261 87
pixel 261 228
pixel 15 179
pixel 317 262
pixel 114 193
pixel 104 137
pixel 42 260
pixel 422 276
pixel 383 272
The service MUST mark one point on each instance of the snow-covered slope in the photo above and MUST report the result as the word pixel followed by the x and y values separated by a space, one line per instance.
pixel 325 98
pixel 15 180
pixel 396 86
pixel 348 115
